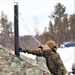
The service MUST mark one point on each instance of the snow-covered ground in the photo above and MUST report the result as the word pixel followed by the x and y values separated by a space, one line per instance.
pixel 29 55
pixel 66 54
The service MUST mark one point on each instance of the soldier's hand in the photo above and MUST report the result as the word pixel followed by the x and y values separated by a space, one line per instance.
pixel 40 47
pixel 23 50
pixel 20 48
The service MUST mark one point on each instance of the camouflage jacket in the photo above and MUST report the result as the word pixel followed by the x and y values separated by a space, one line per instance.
pixel 53 61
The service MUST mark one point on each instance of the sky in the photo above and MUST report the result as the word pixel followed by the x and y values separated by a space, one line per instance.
pixel 33 14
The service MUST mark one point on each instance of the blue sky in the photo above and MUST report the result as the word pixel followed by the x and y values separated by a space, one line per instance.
pixel 34 12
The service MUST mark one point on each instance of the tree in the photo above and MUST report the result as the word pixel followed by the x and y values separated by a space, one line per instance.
pixel 72 26
pixel 59 11
pixel 5 29
pixel 45 36
pixel 51 29
pixel 65 29
pixel 58 32
pixel 62 29
pixel 58 15
pixel 36 22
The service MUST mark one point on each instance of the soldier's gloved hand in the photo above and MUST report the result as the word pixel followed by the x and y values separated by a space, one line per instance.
pixel 41 47
pixel 20 48
pixel 23 50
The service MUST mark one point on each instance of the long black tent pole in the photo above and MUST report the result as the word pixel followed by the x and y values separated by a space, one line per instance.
pixel 16 30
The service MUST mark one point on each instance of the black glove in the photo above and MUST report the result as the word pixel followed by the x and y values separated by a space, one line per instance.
pixel 23 50
pixel 20 48
pixel 41 47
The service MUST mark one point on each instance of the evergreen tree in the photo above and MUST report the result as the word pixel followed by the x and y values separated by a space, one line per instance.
pixel 62 30
pixel 45 36
pixel 72 26
pixel 65 29
pixel 59 11
pixel 58 31
pixel 58 15
pixel 51 30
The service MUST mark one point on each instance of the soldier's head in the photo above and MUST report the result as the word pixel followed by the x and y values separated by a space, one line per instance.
pixel 50 44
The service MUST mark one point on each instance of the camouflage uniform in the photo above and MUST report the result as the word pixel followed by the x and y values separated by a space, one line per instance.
pixel 53 61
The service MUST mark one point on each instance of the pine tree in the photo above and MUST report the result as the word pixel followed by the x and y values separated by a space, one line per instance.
pixel 58 15
pixel 72 26
pixel 59 11
pixel 65 29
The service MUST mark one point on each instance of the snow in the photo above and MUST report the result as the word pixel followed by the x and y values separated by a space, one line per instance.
pixel 67 56
pixel 29 55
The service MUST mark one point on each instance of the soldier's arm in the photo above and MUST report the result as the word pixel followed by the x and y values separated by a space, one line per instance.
pixel 36 52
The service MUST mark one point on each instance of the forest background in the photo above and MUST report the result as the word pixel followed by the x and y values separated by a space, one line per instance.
pixel 60 29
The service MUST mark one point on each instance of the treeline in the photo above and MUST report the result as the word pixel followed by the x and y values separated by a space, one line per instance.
pixel 7 35
pixel 60 29
pixel 28 41
pixel 6 31
pixel 61 26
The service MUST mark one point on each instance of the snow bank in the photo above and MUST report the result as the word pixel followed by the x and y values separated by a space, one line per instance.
pixel 67 56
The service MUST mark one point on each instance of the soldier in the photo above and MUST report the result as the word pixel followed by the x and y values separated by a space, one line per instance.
pixel 53 60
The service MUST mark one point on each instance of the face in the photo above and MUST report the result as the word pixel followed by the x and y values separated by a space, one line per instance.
pixel 46 47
